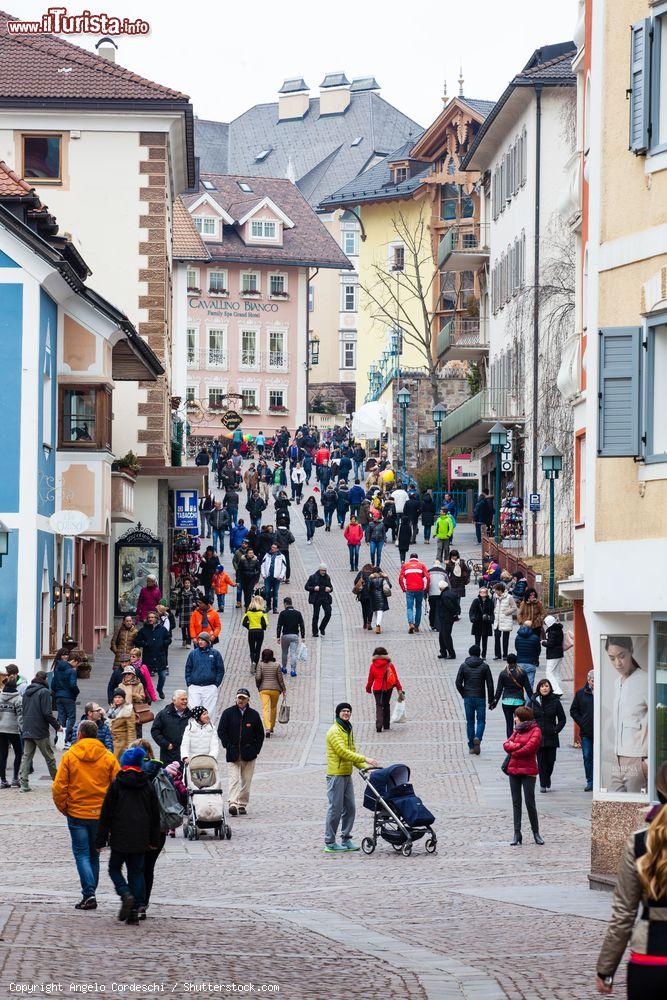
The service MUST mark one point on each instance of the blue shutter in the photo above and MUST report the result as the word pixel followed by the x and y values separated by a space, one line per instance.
pixel 619 390
pixel 640 85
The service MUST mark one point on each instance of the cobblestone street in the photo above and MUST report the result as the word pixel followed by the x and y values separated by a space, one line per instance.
pixel 477 920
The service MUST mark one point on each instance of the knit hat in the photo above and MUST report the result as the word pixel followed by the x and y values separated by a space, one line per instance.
pixel 549 621
pixel 162 604
pixel 204 635
pixel 119 691
pixel 132 757
pixel 198 711
pixel 129 669
pixel 474 650
pixel 341 706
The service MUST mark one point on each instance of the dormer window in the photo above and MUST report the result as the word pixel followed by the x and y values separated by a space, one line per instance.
pixel 205 225
pixel 263 230
pixel 400 174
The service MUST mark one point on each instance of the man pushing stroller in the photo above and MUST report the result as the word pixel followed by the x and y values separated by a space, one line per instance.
pixel 342 756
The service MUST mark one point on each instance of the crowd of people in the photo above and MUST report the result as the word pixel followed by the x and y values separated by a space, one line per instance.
pixel 117 788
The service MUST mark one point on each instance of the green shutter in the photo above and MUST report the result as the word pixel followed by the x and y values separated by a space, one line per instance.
pixel 619 391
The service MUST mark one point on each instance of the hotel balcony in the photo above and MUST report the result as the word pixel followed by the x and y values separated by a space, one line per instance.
pixel 469 424
pixel 463 340
pixel 464 247
pixel 122 497
pixel 215 359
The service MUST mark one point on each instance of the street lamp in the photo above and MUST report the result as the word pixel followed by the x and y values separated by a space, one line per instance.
pixel 552 464
pixel 498 438
pixel 403 397
pixel 439 412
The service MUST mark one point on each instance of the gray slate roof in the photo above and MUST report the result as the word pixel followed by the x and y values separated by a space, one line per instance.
pixel 482 107
pixel 320 149
pixel 375 184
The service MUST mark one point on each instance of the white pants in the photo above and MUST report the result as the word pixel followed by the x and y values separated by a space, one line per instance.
pixel 239 777
pixel 206 696
pixel 553 669
pixel 377 618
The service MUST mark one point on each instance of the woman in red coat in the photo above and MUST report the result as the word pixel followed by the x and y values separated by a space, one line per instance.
pixel 354 535
pixel 382 679
pixel 522 747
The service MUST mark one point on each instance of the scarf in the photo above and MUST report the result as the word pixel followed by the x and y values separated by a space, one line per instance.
pixel 521 727
pixel 347 726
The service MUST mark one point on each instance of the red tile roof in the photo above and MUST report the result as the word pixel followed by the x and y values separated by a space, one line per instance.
pixel 47 67
pixel 186 241
pixel 11 185
pixel 308 244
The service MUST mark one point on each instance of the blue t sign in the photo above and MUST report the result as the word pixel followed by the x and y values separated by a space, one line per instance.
pixel 185 508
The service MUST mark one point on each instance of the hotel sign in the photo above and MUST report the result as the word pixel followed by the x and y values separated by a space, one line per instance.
pixel 231 306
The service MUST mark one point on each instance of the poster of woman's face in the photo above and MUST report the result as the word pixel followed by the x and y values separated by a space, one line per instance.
pixel 624 713
pixel 135 564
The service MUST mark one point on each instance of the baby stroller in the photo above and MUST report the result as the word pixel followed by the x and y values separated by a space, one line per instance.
pixel 399 816
pixel 205 806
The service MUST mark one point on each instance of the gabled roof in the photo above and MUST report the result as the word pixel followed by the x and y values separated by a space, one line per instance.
pixel 187 244
pixel 375 184
pixel 266 202
pixel 320 148
pixel 432 139
pixel 549 66
pixel 206 199
pixel 11 185
pixel 307 244
pixel 47 67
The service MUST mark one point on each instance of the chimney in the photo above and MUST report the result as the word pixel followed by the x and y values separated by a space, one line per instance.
pixel 293 99
pixel 334 94
pixel 106 48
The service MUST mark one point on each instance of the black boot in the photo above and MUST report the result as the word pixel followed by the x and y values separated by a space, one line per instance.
pixel 538 839
pixel 517 839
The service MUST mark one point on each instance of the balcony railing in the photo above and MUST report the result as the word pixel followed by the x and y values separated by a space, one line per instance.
pixel 122 497
pixel 216 358
pixel 472 239
pixel 488 405
pixel 462 333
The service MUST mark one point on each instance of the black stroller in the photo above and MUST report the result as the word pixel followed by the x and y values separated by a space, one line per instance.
pixel 399 816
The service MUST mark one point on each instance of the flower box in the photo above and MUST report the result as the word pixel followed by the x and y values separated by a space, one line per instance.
pixel 216 406
pixel 279 295
pixel 218 291
pixel 251 292
pixel 250 409
pixel 194 291
pixel 278 409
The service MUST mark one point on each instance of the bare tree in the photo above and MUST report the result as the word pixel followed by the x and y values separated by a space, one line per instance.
pixel 402 298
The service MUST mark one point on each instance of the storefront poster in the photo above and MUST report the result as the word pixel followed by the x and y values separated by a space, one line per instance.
pixel 624 714
pixel 138 556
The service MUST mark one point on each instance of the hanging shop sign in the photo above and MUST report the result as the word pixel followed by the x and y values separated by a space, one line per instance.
pixel 69 522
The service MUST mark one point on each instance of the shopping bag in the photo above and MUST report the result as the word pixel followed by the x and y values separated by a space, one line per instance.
pixel 398 714
pixel 283 714
pixel 568 641
pixel 302 652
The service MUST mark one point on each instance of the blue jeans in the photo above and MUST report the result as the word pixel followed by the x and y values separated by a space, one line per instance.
pixel 66 708
pixel 256 522
pixel 233 514
pixel 475 707
pixel 328 518
pixel 271 588
pixel 135 884
pixel 221 602
pixel 83 833
pixel 376 552
pixel 239 593
pixel 587 754
pixel 427 532
pixel 205 527
pixel 531 670
pixel 358 470
pixel 219 537
pixel 310 529
pixel 414 600
pixel 341 517
pixel 354 556
pixel 161 678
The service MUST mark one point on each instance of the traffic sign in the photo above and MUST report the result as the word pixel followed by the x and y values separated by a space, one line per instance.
pixel 185 508
pixel 534 501
pixel 231 420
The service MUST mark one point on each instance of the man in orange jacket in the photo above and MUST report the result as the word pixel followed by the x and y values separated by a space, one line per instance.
pixel 81 782
pixel 204 619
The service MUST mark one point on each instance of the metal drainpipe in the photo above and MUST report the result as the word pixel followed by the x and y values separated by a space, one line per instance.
pixel 536 297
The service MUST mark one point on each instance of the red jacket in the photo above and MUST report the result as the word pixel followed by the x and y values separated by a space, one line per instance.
pixel 382 676
pixel 522 748
pixel 414 576
pixel 354 534
pixel 322 455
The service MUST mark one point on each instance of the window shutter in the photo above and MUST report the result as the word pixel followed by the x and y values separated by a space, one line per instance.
pixel 640 90
pixel 619 390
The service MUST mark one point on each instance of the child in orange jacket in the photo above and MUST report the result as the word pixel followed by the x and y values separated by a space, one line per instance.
pixel 221 583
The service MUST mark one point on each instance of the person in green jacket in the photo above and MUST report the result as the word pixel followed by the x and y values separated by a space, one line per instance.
pixel 443 531
pixel 342 756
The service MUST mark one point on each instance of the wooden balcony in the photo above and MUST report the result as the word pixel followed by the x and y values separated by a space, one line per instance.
pixel 122 497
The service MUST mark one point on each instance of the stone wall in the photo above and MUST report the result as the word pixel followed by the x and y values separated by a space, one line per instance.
pixel 420 430
pixel 340 393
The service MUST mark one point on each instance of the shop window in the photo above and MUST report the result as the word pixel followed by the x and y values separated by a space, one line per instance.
pixel 84 417
pixel 624 714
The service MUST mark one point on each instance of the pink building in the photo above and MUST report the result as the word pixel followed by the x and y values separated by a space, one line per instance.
pixel 245 249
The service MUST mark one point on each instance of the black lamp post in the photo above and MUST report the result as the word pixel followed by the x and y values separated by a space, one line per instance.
pixel 552 464
pixel 403 397
pixel 498 438
pixel 439 412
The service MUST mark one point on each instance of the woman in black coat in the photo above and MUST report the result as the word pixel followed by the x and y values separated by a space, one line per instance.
pixel 550 717
pixel 404 537
pixel 481 617
pixel 154 640
pixel 458 573
pixel 310 516
pixel 390 517
pixel 379 589
pixel 512 690
pixel 363 595
pixel 428 515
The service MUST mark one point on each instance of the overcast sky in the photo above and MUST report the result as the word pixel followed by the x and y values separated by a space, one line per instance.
pixel 229 56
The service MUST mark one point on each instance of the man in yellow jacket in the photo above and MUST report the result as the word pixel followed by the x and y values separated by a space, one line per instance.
pixel 84 775
pixel 342 756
